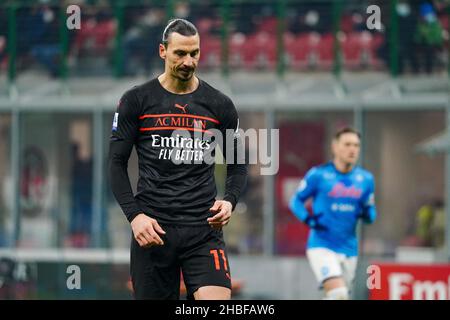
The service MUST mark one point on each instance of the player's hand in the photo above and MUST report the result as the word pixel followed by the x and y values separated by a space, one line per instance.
pixel 147 231
pixel 222 210
pixel 363 215
pixel 314 222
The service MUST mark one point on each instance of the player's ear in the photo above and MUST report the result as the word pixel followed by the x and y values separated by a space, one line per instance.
pixel 162 51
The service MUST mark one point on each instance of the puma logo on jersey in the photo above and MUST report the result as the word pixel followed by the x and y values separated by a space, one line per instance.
pixel 179 106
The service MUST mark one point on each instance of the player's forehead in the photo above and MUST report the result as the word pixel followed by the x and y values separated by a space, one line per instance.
pixel 349 137
pixel 178 41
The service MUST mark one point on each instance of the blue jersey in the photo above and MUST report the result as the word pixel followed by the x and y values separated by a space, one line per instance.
pixel 339 200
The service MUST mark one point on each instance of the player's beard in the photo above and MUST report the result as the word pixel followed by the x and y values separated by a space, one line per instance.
pixel 184 74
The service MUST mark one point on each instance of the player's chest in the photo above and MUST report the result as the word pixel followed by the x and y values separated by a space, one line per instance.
pixel 178 113
pixel 343 188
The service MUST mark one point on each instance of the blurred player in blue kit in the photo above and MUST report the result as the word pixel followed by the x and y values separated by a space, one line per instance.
pixel 342 193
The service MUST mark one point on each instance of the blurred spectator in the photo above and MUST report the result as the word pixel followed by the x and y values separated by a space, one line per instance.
pixel 428 37
pixel 142 38
pixel 141 41
pixel 182 10
pixel 81 215
pixel 253 198
pixel 244 17
pixel 441 5
pixel 97 32
pixel 431 224
pixel 353 21
pixel 43 37
pixel 308 22
pixel 315 17
pixel 205 9
pixel 407 24
pixel 206 18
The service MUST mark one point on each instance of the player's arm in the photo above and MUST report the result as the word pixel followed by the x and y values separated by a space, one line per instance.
pixel 306 189
pixel 369 212
pixel 234 154
pixel 124 133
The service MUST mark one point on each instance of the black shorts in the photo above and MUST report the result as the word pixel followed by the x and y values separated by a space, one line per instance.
pixel 197 251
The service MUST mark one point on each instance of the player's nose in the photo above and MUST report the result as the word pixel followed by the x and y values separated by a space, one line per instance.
pixel 188 62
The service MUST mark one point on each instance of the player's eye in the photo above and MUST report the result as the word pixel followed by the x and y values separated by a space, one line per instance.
pixel 194 53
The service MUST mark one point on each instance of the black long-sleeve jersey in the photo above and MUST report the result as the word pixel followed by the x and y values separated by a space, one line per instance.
pixel 175 136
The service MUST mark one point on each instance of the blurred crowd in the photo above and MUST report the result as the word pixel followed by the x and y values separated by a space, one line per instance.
pixel 422 44
pixel 422 34
pixel 308 37
pixel 427 229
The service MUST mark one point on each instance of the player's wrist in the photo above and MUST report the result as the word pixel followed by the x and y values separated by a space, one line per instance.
pixel 228 202
pixel 314 221
pixel 231 199
pixel 134 216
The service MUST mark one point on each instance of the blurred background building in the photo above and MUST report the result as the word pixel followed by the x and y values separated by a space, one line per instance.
pixel 305 67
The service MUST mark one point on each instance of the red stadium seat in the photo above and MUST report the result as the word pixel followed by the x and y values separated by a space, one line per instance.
pixel 237 44
pixel 260 51
pixel 83 35
pixel 210 54
pixel 359 50
pixel 444 20
pixel 346 23
pixel 352 50
pixel 301 51
pixel 325 51
pixel 104 33
pixel 95 36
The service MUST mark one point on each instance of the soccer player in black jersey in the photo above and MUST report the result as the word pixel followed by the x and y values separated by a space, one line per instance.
pixel 175 218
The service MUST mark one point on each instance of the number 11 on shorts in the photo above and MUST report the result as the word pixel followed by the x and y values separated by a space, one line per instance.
pixel 215 254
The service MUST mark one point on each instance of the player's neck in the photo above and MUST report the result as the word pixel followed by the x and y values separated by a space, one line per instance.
pixel 174 85
pixel 342 166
